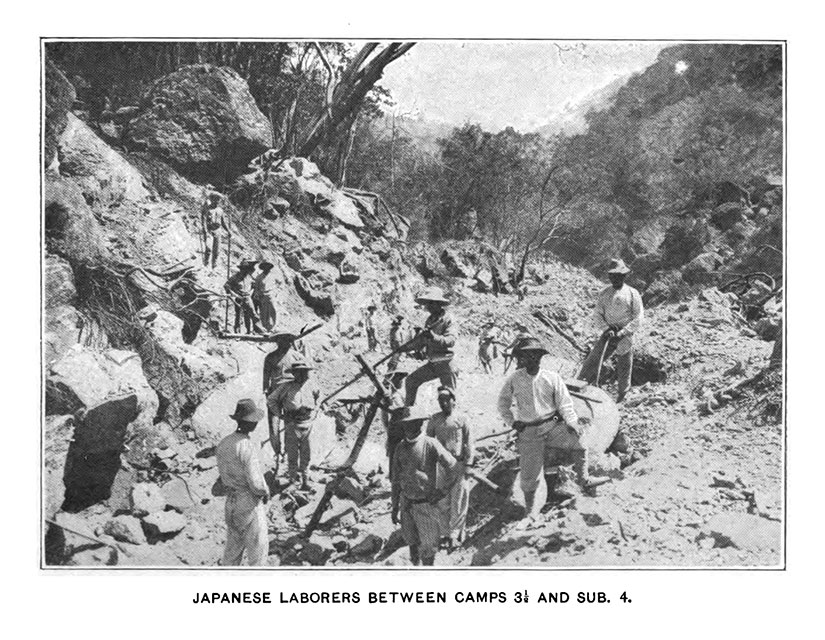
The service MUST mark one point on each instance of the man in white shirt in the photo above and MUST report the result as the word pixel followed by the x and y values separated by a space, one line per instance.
pixel 617 317
pixel 544 420
pixel 246 491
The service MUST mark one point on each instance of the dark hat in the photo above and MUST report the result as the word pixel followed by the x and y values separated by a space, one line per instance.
pixel 247 411
pixel 265 265
pixel 246 263
pixel 529 344
pixel 432 294
pixel 618 266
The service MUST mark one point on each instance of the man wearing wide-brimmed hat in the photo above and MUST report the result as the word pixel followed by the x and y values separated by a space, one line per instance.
pixel 296 403
pixel 545 419
pixel 437 339
pixel 275 373
pixel 263 294
pixel 247 492
pixel 617 317
pixel 415 495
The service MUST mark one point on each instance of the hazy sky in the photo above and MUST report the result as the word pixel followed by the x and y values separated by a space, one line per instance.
pixel 507 83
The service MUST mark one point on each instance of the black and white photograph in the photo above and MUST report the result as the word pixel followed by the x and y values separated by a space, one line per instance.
pixel 349 304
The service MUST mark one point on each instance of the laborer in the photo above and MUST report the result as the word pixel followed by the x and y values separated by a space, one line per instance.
pixel 296 403
pixel 239 288
pixel 397 339
pixel 394 411
pixel 369 327
pixel 213 219
pixel 275 373
pixel 247 492
pixel 545 419
pixel 488 343
pixel 415 495
pixel 437 339
pixel 451 429
pixel 617 317
pixel 263 294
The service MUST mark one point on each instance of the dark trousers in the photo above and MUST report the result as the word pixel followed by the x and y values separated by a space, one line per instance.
pixel 624 364
pixel 244 310
pixel 441 369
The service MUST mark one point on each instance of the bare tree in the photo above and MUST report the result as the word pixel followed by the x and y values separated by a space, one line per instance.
pixel 344 100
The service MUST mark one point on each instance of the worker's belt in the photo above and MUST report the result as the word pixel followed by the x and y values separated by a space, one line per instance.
pixel 416 500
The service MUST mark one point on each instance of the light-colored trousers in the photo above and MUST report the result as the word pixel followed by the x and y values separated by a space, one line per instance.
pixel 246 530
pixel 296 443
pixel 456 503
pixel 536 445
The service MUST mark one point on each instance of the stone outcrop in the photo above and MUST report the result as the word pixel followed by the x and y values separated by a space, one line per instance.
pixel 203 121
pixel 59 96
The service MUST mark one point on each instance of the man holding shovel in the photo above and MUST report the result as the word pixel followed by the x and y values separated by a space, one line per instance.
pixel 617 317
pixel 546 420
pixel 296 402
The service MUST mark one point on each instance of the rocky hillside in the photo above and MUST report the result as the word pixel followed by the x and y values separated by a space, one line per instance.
pixel 140 383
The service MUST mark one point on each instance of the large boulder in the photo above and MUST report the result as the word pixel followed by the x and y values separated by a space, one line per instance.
pixel 83 379
pixel 71 229
pixel 61 321
pixel 203 121
pixel 59 96
pixel 103 175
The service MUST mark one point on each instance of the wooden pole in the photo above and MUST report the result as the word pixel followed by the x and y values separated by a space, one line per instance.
pixel 342 471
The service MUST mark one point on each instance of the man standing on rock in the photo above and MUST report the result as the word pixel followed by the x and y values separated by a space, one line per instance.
pixel 546 420
pixel 617 317
pixel 213 220
pixel 415 496
pixel 452 431
pixel 437 339
pixel 296 403
pixel 263 291
pixel 246 490
pixel 239 288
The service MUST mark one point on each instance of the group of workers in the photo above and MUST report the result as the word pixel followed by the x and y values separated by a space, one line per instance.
pixel 429 466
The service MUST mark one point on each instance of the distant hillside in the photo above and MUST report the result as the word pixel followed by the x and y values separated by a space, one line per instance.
pixel 685 162
pixel 571 119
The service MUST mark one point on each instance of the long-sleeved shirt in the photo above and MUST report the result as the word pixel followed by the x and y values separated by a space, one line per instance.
pixel 415 468
pixel 535 397
pixel 454 434
pixel 239 466
pixel 295 402
pixel 619 309
pixel 439 345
